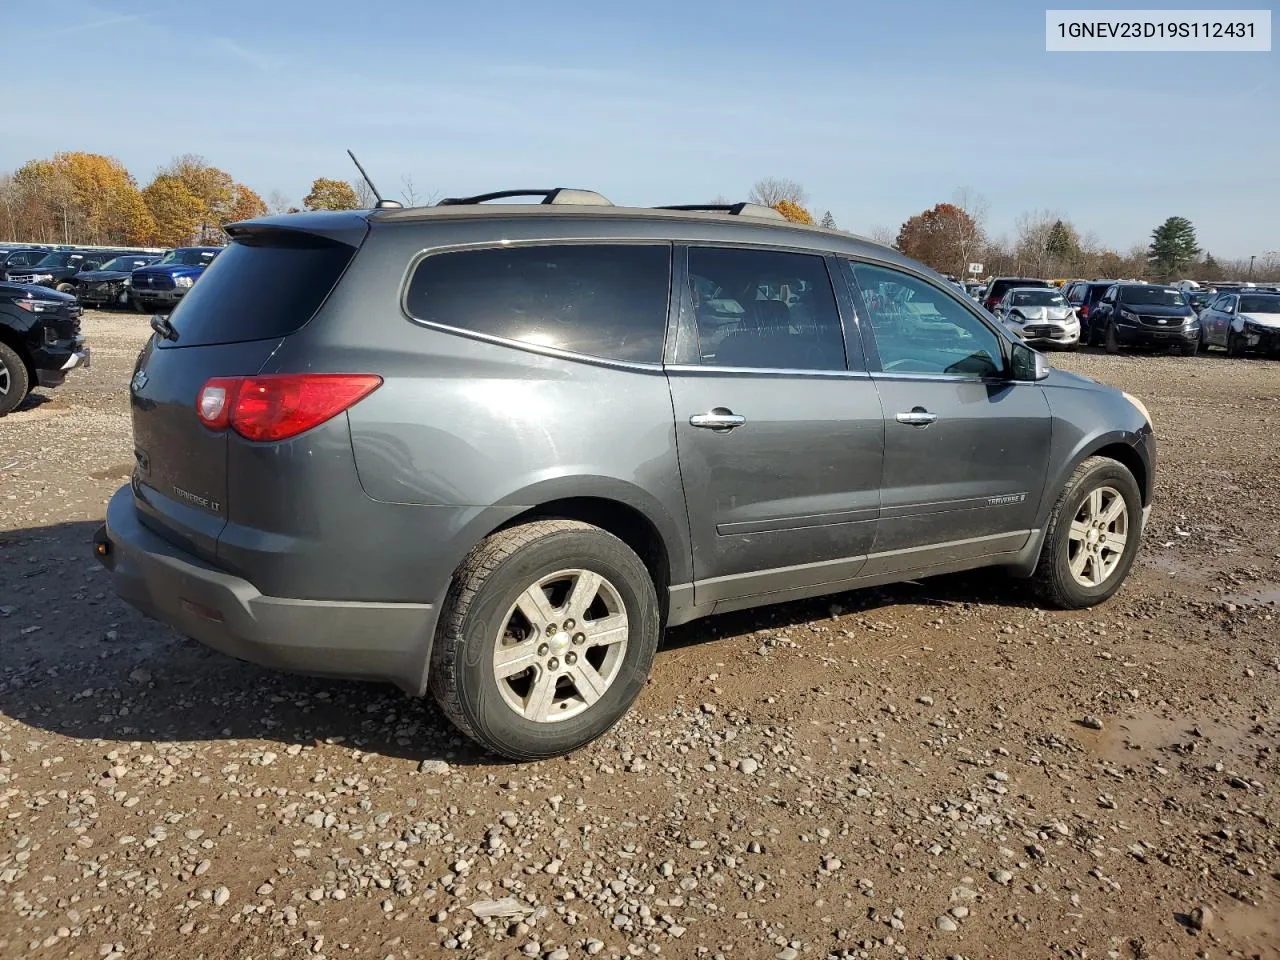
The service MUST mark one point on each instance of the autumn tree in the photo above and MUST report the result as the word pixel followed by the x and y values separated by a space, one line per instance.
pixel 245 204
pixel 329 194
pixel 943 237
pixel 1173 246
pixel 76 197
pixel 177 211
pixel 771 191
pixel 793 211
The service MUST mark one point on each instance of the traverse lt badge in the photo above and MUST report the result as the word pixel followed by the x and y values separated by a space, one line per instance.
pixel 1003 501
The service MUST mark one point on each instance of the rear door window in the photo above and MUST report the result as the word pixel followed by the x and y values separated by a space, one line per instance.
pixel 263 285
pixel 605 300
pixel 764 309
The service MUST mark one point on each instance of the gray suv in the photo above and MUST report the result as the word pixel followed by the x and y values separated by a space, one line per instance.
pixel 493 449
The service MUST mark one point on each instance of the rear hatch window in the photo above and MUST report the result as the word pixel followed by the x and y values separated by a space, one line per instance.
pixel 265 285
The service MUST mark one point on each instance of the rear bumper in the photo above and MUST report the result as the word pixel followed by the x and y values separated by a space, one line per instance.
pixel 358 640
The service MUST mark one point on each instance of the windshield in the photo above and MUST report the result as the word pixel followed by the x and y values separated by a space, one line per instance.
pixel 1038 298
pixel 1257 304
pixel 124 263
pixel 1153 296
pixel 189 257
pixel 57 259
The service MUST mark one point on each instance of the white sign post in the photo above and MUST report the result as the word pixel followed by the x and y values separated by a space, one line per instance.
pixel 975 268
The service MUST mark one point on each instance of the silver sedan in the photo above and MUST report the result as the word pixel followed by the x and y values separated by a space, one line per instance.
pixel 1040 316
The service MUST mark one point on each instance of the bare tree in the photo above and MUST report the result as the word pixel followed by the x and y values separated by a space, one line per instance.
pixel 881 233
pixel 277 202
pixel 364 194
pixel 967 232
pixel 1032 249
pixel 771 191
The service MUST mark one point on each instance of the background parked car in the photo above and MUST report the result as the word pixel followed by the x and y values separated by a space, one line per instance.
pixel 1083 295
pixel 165 282
pixel 59 268
pixel 109 285
pixel 1242 322
pixel 40 340
pixel 18 257
pixel 1040 316
pixel 998 287
pixel 1146 315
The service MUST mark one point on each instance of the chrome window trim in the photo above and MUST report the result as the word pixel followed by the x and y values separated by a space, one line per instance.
pixel 636 366
pixel 767 371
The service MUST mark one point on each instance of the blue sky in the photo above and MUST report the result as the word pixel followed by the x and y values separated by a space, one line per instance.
pixel 879 109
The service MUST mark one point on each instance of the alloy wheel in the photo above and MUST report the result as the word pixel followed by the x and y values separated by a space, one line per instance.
pixel 561 646
pixel 1098 535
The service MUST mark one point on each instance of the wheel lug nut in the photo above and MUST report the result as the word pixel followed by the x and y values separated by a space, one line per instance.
pixel 579 637
pixel 553 664
pixel 571 658
pixel 543 650
pixel 569 624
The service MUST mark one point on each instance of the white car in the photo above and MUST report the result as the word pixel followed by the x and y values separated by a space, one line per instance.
pixel 1243 322
pixel 1040 316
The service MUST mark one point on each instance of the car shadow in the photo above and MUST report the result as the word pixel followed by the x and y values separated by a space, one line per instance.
pixel 78 662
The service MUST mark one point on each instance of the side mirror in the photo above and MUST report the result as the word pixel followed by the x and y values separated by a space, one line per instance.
pixel 1028 365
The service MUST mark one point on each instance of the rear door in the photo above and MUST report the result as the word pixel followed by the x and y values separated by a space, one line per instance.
pixel 780 438
pixel 267 285
pixel 965 448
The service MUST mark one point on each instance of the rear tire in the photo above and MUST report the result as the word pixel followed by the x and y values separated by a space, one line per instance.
pixel 1066 576
pixel 568 690
pixel 15 381
pixel 1112 342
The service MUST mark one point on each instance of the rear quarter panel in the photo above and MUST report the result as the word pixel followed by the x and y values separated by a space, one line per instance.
pixel 481 430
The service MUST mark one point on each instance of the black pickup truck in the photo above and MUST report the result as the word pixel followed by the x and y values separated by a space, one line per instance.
pixel 59 268
pixel 40 341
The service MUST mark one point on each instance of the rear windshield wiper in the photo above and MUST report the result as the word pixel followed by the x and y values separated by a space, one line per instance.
pixel 161 325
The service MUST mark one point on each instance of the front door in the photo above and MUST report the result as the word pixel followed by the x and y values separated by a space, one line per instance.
pixel 966 448
pixel 780 442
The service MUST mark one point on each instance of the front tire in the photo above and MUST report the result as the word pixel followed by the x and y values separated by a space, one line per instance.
pixel 1092 536
pixel 546 637
pixel 1189 349
pixel 15 381
pixel 1112 342
pixel 1235 344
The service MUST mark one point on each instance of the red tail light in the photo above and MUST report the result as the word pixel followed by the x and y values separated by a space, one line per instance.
pixel 1084 311
pixel 282 405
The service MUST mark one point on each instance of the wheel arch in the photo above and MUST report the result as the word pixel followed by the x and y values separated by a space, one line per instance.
pixel 14 340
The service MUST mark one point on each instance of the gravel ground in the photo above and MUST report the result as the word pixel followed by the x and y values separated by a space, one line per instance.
pixel 938 769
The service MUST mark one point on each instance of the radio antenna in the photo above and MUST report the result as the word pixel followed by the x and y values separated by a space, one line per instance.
pixel 381 204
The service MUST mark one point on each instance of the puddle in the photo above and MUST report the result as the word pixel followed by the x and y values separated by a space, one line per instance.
pixel 1149 737
pixel 1263 596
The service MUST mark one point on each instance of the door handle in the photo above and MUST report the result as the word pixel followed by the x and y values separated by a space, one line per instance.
pixel 917 417
pixel 718 419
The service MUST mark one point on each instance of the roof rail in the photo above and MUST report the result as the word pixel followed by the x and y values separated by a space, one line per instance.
pixel 556 195
pixel 733 209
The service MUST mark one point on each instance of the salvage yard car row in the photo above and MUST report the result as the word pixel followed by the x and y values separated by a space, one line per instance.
pixel 110 278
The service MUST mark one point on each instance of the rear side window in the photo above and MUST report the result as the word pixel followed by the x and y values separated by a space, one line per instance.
pixel 262 286
pixel 763 309
pixel 604 300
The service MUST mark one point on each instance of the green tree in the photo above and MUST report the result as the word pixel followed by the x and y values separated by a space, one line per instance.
pixel 1062 245
pixel 1173 246
pixel 828 221
pixel 329 194
pixel 1212 269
